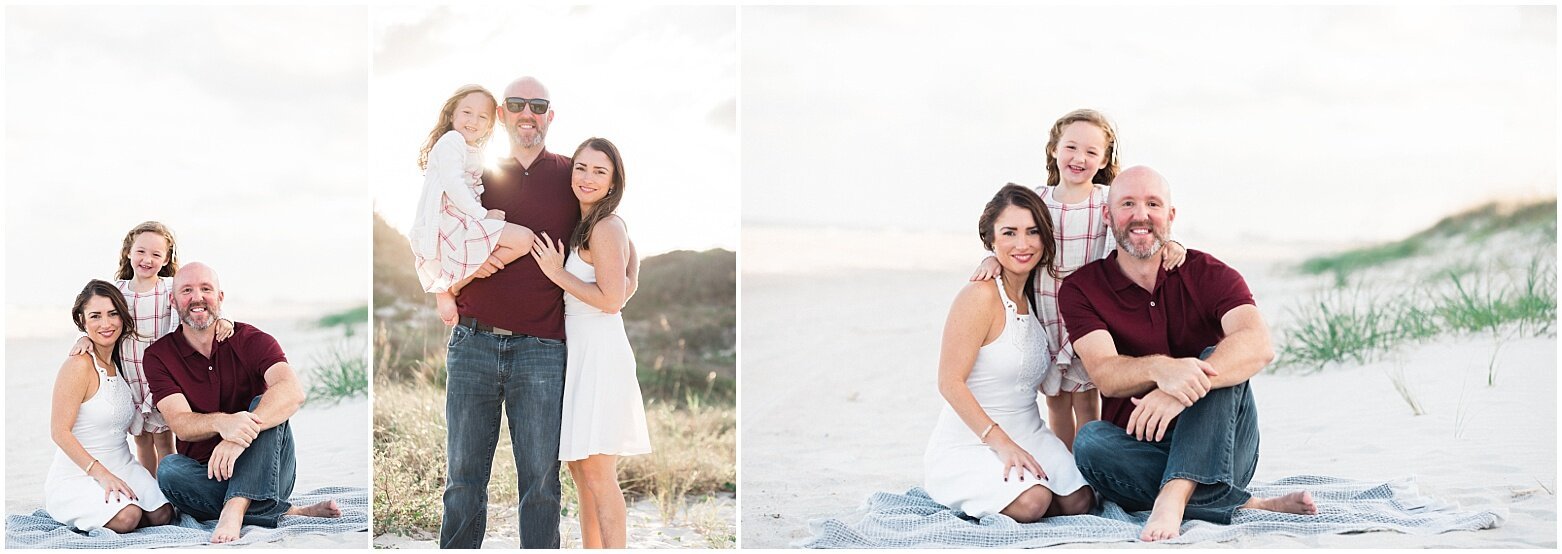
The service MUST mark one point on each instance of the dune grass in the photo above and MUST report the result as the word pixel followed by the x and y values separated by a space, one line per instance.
pixel 341 372
pixel 1475 225
pixel 1361 324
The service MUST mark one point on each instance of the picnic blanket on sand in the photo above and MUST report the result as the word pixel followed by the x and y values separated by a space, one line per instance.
pixel 912 520
pixel 40 531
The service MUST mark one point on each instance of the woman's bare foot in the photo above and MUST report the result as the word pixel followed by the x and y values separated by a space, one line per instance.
pixel 321 509
pixel 1299 502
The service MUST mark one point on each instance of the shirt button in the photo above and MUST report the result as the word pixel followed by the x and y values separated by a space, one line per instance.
pixel 1152 303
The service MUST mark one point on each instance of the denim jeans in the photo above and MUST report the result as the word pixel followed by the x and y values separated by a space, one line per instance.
pixel 524 376
pixel 1215 444
pixel 264 473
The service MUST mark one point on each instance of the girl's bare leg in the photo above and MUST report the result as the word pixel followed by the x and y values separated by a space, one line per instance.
pixel 163 444
pixel 146 453
pixel 1087 408
pixel 1060 416
pixel 514 242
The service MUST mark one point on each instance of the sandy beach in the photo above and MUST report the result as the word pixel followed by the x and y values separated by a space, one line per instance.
pixel 646 528
pixel 332 439
pixel 838 397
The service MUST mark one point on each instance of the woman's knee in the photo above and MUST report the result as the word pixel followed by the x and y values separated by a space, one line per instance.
pixel 1077 503
pixel 126 520
pixel 1030 506
pixel 161 516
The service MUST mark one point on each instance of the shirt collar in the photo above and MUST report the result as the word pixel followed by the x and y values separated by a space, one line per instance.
pixel 1119 280
pixel 182 344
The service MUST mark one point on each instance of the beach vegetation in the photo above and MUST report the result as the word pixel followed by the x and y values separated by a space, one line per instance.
pixel 1478 224
pixel 339 372
pixel 349 320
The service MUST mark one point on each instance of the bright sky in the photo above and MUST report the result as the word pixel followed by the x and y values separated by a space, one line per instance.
pixel 240 128
pixel 661 83
pixel 1282 123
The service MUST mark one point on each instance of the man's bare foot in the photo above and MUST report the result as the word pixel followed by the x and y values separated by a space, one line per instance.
pixel 1163 524
pixel 230 521
pixel 321 509
pixel 1299 502
pixel 445 307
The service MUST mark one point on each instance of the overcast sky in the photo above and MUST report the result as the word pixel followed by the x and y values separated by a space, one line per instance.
pixel 1326 123
pixel 240 128
pixel 660 82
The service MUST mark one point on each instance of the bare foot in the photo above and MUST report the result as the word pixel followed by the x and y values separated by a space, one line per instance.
pixel 445 307
pixel 1163 524
pixel 321 509
pixel 227 530
pixel 1299 502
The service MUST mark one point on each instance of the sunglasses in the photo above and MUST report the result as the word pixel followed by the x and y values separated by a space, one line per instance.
pixel 539 106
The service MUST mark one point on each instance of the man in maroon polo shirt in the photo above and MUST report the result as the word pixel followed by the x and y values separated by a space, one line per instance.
pixel 507 352
pixel 1167 346
pixel 228 403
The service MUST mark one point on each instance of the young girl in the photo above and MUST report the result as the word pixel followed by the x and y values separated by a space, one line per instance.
pixel 1081 163
pixel 147 263
pixel 453 234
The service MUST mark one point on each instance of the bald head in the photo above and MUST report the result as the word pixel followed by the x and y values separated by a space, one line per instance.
pixel 1140 179
pixel 526 87
pixel 197 296
pixel 1140 212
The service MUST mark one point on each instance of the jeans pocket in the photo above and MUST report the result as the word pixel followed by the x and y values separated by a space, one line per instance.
pixel 458 334
pixel 548 342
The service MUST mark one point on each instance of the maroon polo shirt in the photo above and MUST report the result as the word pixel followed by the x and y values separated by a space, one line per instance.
pixel 224 383
pixel 1180 318
pixel 519 298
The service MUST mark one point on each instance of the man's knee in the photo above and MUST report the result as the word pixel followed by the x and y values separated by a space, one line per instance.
pixel 175 469
pixel 1090 442
pixel 255 402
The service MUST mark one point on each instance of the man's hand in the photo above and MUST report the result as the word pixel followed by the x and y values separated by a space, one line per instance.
pixel 220 466
pixel 490 266
pixel 1152 415
pixel 241 428
pixel 1185 379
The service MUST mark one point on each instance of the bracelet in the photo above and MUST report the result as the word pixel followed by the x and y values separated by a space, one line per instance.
pixel 988 431
pixel 89 466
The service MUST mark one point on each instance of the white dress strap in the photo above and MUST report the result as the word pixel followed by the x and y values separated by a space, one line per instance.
pixel 1009 307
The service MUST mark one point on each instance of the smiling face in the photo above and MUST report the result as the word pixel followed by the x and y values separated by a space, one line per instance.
pixel 473 117
pixel 592 177
pixel 148 255
pixel 102 321
pixel 1140 212
pixel 1017 240
pixel 1080 153
pixel 526 129
pixel 197 296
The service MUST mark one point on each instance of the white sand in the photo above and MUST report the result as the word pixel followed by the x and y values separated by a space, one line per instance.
pixel 332 440
pixel 646 528
pixel 838 396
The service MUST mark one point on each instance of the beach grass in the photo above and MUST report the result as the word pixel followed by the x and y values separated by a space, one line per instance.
pixel 1360 324
pixel 1476 224
pixel 695 456
pixel 341 371
pixel 349 319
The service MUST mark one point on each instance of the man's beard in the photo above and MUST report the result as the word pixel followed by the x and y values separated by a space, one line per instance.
pixel 515 136
pixel 213 316
pixel 1123 236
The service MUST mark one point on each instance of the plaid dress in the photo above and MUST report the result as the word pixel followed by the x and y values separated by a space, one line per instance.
pixel 450 244
pixel 154 315
pixel 1081 236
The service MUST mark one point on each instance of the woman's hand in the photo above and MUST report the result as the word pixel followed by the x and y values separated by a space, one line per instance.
pixel 1172 254
pixel 224 329
pixel 550 259
pixel 1012 456
pixel 81 346
pixel 986 270
pixel 113 486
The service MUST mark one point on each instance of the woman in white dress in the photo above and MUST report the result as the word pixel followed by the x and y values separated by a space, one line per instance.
pixel 990 451
pixel 603 415
pixel 94 481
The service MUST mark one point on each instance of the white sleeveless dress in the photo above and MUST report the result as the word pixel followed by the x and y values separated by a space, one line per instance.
pixel 76 499
pixel 962 473
pixel 603 412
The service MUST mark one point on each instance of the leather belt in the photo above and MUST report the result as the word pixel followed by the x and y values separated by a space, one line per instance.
pixel 480 326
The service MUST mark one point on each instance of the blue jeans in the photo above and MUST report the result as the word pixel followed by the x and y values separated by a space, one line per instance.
pixel 264 473
pixel 524 376
pixel 1215 444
